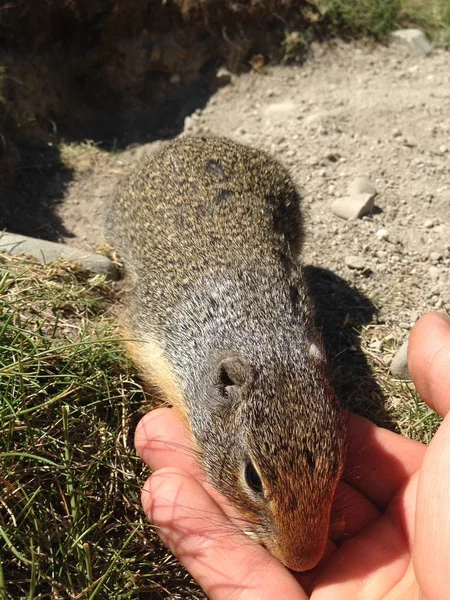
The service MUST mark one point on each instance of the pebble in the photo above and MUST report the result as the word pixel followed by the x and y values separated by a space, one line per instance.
pixel 415 39
pixel 382 234
pixel 429 223
pixel 46 252
pixel 280 109
pixel 399 364
pixel 434 272
pixel 355 262
pixel 435 256
pixel 353 207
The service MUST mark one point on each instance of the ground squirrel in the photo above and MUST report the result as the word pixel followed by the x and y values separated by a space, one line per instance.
pixel 209 232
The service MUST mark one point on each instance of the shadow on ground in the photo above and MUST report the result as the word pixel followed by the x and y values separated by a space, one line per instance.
pixel 341 312
pixel 29 204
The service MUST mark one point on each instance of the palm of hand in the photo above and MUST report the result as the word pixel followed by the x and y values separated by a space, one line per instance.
pixel 393 504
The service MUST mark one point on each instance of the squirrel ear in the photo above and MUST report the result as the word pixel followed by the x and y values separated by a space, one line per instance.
pixel 233 371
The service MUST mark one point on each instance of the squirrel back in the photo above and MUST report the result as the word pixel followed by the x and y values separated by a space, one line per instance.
pixel 220 321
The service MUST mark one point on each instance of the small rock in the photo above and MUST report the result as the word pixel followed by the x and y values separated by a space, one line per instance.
pixel 46 252
pixel 223 77
pixel 443 149
pixel 280 109
pixel 361 185
pixel 439 304
pixel 396 132
pixel 434 272
pixel 399 364
pixel 429 223
pixel 355 262
pixel 435 256
pixel 415 39
pixel 353 207
pixel 382 234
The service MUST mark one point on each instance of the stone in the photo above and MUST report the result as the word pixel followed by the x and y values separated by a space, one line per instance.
pixel 223 77
pixel 435 256
pixel 382 234
pixel 434 272
pixel 353 207
pixel 399 364
pixel 361 185
pixel 280 109
pixel 46 252
pixel 355 262
pixel 414 38
pixel 429 224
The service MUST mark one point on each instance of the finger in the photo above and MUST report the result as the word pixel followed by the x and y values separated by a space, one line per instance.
pixel 379 461
pixel 225 562
pixel 350 513
pixel 429 360
pixel 161 440
pixel 366 566
pixel 432 548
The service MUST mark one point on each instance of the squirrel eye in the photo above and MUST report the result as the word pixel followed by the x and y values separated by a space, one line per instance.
pixel 252 478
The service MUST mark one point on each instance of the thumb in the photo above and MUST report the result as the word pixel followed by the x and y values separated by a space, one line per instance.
pixel 429 356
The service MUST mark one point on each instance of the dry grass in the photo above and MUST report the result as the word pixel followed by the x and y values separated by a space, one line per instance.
pixel 71 525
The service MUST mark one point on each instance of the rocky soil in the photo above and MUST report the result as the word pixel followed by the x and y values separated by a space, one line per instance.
pixel 351 110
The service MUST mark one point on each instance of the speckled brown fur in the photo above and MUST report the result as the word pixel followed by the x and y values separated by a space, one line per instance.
pixel 210 232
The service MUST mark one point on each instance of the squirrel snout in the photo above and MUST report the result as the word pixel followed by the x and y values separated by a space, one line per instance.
pixel 301 540
pixel 301 554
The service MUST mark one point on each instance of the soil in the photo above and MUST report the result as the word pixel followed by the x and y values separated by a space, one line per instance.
pixel 350 110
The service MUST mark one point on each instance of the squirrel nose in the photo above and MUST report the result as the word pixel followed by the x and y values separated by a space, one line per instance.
pixel 300 558
pixel 304 563
pixel 301 546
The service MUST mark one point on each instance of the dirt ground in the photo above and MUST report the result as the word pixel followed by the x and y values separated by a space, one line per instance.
pixel 350 110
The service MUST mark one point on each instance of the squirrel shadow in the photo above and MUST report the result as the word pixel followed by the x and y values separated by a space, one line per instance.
pixel 341 312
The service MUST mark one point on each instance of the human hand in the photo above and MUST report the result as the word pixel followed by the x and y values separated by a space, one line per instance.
pixel 393 506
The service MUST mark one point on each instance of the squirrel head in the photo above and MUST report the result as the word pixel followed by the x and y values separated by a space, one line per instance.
pixel 274 446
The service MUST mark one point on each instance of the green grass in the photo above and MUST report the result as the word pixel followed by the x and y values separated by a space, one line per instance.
pixel 71 524
pixel 376 18
pixel 433 16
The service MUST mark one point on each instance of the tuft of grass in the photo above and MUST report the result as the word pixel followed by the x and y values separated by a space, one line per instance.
pixel 84 156
pixel 358 18
pixel 71 525
pixel 403 409
pixel 433 16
